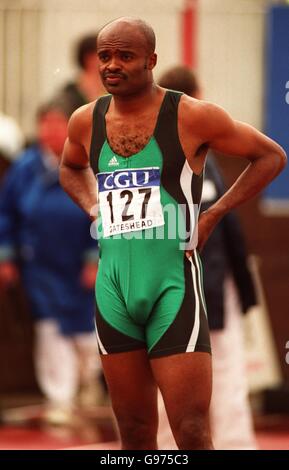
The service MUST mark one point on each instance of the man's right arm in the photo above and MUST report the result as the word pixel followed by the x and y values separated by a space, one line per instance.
pixel 76 176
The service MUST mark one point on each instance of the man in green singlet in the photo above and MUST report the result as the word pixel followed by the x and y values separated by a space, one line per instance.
pixel 146 147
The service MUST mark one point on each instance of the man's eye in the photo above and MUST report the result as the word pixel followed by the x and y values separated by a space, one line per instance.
pixel 103 57
pixel 126 56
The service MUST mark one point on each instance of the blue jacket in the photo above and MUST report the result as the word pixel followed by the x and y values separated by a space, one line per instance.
pixel 49 236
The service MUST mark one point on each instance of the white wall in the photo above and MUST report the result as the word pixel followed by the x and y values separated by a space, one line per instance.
pixel 231 55
pixel 65 21
pixel 38 36
pixel 36 39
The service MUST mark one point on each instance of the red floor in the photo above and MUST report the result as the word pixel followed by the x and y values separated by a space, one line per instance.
pixel 273 441
pixel 34 439
pixel 13 438
pixel 24 428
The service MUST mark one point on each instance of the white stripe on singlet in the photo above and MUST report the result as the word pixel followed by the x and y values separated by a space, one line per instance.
pixel 196 328
pixel 101 347
pixel 199 269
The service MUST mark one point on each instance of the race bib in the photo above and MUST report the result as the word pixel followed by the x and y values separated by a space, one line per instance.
pixel 129 200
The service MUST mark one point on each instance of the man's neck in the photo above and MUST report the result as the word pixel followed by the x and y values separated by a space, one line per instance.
pixel 134 103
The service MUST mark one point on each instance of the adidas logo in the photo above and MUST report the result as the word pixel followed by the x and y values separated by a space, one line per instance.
pixel 113 162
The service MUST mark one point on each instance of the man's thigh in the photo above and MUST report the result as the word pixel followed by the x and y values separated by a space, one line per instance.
pixel 185 381
pixel 131 384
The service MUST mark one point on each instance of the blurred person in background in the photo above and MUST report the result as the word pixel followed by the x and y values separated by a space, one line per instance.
pixel 229 291
pixel 87 86
pixel 45 239
pixel 11 142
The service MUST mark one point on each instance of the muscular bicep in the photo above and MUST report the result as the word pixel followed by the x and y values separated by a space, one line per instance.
pixel 236 138
pixel 74 152
pixel 74 155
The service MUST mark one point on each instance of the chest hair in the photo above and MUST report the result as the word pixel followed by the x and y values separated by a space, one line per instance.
pixel 127 140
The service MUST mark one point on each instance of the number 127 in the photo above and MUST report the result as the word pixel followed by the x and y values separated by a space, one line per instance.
pixel 129 195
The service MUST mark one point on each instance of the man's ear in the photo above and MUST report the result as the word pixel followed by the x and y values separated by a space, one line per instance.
pixel 152 61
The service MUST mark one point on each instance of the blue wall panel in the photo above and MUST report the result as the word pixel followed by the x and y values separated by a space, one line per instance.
pixel 276 196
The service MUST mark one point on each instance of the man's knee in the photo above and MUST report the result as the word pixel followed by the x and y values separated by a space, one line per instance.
pixel 137 433
pixel 194 432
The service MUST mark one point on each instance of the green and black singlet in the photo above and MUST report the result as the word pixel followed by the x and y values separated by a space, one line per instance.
pixel 148 293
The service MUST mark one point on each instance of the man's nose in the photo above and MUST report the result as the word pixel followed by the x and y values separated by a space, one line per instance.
pixel 114 64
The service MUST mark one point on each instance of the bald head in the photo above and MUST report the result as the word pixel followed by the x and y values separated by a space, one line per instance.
pixel 125 49
pixel 137 27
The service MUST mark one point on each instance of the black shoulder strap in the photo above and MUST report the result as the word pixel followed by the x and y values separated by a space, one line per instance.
pixel 167 124
pixel 167 137
pixel 98 136
pixel 174 159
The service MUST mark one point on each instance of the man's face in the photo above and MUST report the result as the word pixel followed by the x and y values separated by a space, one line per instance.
pixel 52 131
pixel 125 64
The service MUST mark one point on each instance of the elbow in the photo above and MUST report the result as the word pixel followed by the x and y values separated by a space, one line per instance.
pixel 282 157
pixel 274 161
pixel 280 160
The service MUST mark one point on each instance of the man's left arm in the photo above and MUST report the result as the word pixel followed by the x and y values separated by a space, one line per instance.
pixel 237 139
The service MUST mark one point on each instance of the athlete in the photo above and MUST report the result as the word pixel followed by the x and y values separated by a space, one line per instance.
pixel 146 148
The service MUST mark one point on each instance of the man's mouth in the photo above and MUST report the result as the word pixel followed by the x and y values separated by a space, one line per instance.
pixel 113 79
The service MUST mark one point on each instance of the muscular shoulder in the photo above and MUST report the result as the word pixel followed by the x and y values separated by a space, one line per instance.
pixel 204 119
pixel 80 123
